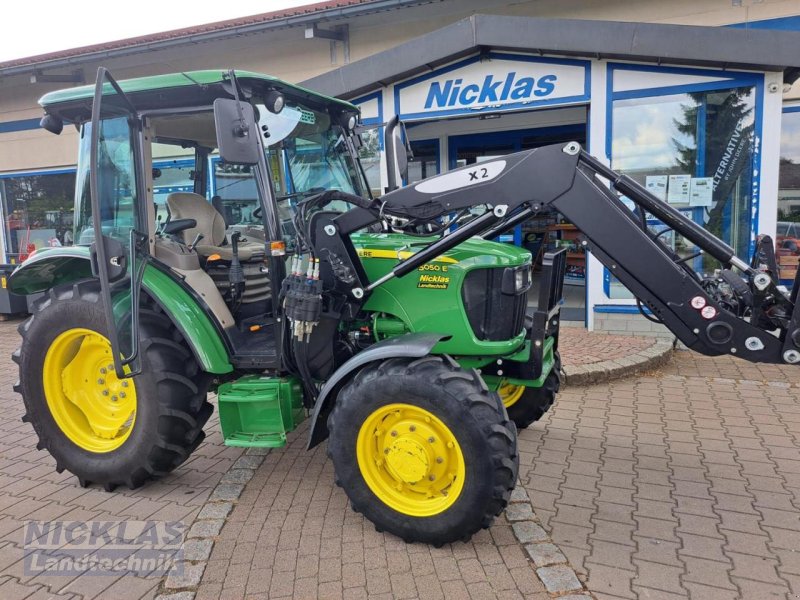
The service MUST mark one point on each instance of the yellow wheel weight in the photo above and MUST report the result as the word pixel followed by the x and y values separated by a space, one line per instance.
pixel 410 460
pixel 510 393
pixel 92 407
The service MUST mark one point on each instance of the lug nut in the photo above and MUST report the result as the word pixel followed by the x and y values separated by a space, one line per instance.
pixel 394 434
pixel 431 477
pixel 386 451
pixel 439 459
pixel 122 394
pixel 105 392
pixel 431 440
pixel 124 384
pixel 102 370
pixel 101 381
pixel 113 398
pixel 412 428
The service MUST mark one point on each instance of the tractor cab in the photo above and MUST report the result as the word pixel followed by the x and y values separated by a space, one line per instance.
pixel 255 146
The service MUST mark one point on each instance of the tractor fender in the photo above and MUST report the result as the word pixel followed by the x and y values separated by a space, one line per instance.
pixel 409 345
pixel 60 266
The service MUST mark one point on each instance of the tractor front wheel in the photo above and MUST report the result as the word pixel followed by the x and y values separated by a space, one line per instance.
pixel 423 449
pixel 526 405
pixel 104 429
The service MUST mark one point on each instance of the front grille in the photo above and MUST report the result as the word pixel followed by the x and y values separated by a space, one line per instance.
pixel 493 315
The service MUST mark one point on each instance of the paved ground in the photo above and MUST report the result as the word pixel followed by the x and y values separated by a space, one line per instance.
pixel 30 489
pixel 580 347
pixel 680 483
pixel 684 482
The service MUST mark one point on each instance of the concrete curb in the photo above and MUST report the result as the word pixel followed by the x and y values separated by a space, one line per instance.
pixel 649 358
pixel 550 564
pixel 184 578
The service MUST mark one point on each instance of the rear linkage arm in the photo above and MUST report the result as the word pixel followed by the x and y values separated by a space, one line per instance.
pixel 565 179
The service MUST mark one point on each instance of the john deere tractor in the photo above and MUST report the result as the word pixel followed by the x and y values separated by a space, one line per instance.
pixel 272 277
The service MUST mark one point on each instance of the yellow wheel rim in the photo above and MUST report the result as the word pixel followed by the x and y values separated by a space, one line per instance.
pixel 89 403
pixel 510 393
pixel 410 460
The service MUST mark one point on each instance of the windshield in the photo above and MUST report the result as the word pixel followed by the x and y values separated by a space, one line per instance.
pixel 308 154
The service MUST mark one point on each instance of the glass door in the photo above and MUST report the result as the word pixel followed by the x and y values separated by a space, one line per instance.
pixel 117 217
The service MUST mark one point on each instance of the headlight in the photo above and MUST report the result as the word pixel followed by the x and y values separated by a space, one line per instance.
pixel 516 280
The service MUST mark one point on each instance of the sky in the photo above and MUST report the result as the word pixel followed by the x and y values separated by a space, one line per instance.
pixel 41 26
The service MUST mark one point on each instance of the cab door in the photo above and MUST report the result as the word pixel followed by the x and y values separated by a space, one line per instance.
pixel 118 200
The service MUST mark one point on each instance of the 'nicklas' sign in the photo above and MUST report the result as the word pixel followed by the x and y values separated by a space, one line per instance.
pixel 502 82
pixel 454 92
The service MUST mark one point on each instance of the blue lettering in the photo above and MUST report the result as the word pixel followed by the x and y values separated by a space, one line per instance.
pixel 438 94
pixel 547 84
pixel 489 90
pixel 454 95
pixel 507 86
pixel 469 94
pixel 523 89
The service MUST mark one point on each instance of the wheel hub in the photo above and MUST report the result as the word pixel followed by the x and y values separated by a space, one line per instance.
pixel 410 459
pixel 407 460
pixel 91 405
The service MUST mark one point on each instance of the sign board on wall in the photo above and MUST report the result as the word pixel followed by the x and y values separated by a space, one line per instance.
pixel 493 82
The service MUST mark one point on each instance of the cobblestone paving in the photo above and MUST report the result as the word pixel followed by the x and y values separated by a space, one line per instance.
pixel 581 347
pixel 30 489
pixel 292 534
pixel 680 483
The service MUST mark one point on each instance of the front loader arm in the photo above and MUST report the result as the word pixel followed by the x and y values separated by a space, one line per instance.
pixel 744 314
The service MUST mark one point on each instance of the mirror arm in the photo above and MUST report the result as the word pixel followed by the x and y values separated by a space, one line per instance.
pixel 242 130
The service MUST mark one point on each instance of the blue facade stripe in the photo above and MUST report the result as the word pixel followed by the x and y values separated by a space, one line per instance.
pixel 22 125
pixel 779 24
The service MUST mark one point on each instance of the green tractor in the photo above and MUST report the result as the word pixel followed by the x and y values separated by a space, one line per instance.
pixel 276 280
pixel 275 284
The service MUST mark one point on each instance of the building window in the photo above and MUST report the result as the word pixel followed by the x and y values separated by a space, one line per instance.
pixel 696 151
pixel 370 157
pixel 425 162
pixel 788 233
pixel 39 212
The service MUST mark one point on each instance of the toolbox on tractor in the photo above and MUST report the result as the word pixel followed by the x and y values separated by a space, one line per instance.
pixel 288 289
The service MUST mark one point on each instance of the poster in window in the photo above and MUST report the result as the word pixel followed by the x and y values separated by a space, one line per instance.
pixel 679 187
pixel 701 191
pixel 657 185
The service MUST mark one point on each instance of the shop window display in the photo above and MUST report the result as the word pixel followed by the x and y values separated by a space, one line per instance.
pixel 788 231
pixel 696 151
pixel 39 212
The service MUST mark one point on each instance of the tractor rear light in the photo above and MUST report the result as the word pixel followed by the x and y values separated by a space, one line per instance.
pixel 277 248
pixel 698 302
pixel 708 312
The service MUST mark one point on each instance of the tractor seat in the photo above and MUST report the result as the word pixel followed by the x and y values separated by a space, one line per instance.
pixel 187 205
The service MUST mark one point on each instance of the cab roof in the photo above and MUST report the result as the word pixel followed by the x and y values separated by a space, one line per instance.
pixel 175 90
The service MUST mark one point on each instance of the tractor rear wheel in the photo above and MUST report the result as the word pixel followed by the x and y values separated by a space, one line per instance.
pixel 104 429
pixel 423 449
pixel 526 405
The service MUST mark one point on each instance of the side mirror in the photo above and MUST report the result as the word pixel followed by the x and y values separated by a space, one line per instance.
pixel 398 152
pixel 237 135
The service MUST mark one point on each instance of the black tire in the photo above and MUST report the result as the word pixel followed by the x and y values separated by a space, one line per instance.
pixel 171 406
pixel 475 415
pixel 535 402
